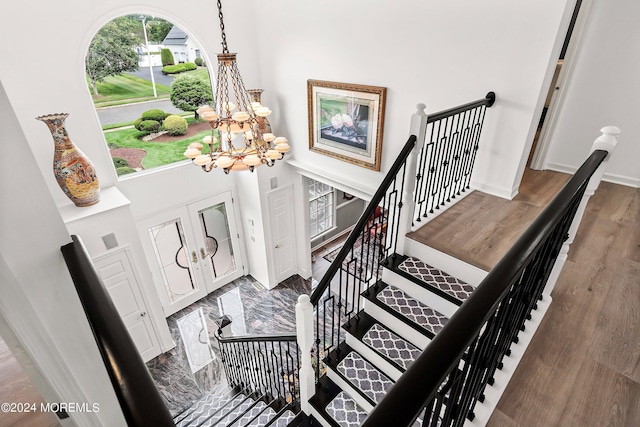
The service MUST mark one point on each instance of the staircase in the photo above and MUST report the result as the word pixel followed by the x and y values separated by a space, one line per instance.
pixel 235 407
pixel 402 313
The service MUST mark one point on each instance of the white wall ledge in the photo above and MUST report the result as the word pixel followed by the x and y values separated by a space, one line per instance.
pixel 110 198
pixel 339 182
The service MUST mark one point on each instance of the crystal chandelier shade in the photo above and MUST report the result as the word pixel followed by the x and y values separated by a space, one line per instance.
pixel 237 140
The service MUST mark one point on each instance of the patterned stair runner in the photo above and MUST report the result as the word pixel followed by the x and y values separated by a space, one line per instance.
pixel 436 278
pixel 345 411
pixel 391 345
pixel 284 419
pixel 237 400
pixel 204 409
pixel 412 309
pixel 250 414
pixel 235 413
pixel 265 416
pixel 364 376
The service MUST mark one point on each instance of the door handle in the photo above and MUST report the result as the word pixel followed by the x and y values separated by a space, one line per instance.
pixel 277 246
pixel 203 255
pixel 194 256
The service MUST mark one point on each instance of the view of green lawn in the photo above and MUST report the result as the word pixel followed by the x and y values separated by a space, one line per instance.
pixel 125 88
pixel 158 153
pixel 202 73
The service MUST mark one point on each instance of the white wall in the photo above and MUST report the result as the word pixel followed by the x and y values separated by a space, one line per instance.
pixel 442 53
pixel 603 89
pixel 37 297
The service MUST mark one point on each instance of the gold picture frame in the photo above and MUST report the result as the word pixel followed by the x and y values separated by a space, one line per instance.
pixel 346 121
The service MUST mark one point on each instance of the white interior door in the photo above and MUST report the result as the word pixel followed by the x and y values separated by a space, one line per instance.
pixel 118 277
pixel 282 232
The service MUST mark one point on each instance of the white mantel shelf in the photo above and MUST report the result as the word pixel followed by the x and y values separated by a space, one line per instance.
pixel 110 198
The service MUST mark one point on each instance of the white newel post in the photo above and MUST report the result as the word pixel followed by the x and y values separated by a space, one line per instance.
pixel 304 331
pixel 607 141
pixel 418 128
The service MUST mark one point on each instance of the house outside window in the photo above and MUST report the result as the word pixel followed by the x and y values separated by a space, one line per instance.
pixel 321 208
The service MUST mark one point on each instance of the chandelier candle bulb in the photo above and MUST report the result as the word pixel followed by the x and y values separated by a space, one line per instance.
pixel 251 160
pixel 201 109
pixel 283 148
pixel 240 116
pixel 273 154
pixel 197 145
pixel 192 153
pixel 268 137
pixel 262 112
pixel 228 106
pixel 202 160
pixel 224 162
pixel 280 140
pixel 209 116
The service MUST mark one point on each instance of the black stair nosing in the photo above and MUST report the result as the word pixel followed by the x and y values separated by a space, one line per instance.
pixel 360 324
pixel 202 399
pixel 302 420
pixel 326 391
pixel 371 297
pixel 337 355
pixel 394 263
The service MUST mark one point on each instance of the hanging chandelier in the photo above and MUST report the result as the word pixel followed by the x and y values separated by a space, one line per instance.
pixel 240 138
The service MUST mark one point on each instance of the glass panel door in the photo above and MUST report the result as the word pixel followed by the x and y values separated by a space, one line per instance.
pixel 192 250
pixel 169 246
pixel 172 255
pixel 217 236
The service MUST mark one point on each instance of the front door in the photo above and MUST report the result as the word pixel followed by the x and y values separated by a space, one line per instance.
pixel 217 239
pixel 192 250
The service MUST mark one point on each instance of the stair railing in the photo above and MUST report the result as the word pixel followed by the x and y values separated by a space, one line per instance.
pixel 263 364
pixel 379 232
pixel 448 155
pixel 450 376
pixel 139 398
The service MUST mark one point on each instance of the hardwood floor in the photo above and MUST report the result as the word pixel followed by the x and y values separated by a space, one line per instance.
pixel 583 365
pixel 481 228
pixel 16 387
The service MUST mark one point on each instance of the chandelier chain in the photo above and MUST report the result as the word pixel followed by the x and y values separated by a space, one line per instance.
pixel 225 49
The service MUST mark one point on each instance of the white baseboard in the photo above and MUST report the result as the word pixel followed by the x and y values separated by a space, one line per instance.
pixel 608 176
pixel 503 193
pixel 437 213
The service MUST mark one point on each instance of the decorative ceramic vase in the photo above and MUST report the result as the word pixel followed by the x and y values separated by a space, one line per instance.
pixel 73 170
pixel 263 123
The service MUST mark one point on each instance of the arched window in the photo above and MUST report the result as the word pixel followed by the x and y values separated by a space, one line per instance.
pixel 131 66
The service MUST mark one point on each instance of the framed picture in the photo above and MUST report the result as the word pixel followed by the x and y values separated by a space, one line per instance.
pixel 346 121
